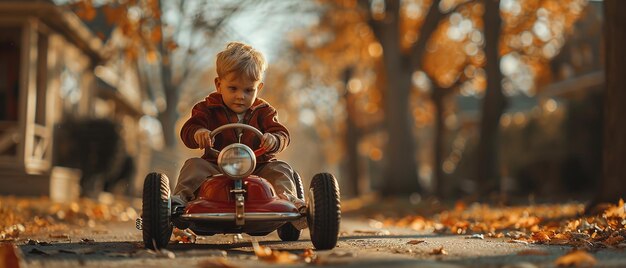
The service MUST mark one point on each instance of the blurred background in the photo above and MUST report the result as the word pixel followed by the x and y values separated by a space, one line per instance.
pixel 420 98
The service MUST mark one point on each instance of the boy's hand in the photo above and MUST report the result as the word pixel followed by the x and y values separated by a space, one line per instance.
pixel 203 138
pixel 269 142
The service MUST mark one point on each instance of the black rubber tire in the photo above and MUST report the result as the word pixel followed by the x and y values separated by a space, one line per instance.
pixel 156 224
pixel 324 211
pixel 287 232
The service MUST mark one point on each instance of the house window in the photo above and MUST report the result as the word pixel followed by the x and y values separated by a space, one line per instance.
pixel 10 40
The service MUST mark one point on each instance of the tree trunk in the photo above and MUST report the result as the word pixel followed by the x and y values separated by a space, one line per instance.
pixel 613 184
pixel 169 116
pixel 401 170
pixel 439 178
pixel 400 174
pixel 352 137
pixel 487 177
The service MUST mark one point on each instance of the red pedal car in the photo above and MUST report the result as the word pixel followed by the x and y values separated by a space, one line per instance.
pixel 237 202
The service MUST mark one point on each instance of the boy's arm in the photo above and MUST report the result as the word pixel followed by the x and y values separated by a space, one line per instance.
pixel 273 126
pixel 198 120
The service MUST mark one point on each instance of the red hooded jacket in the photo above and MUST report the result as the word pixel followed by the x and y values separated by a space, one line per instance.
pixel 213 113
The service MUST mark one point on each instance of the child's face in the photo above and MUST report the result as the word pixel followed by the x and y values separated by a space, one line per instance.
pixel 238 92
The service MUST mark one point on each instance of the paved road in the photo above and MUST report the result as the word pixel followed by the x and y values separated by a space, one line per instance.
pixel 360 245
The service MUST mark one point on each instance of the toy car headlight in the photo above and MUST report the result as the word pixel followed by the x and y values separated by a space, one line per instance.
pixel 236 160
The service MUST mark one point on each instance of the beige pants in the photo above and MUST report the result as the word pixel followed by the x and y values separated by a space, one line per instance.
pixel 196 170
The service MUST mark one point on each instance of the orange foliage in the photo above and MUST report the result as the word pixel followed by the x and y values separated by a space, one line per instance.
pixel 23 217
pixel 142 30
pixel 542 224
pixel 578 258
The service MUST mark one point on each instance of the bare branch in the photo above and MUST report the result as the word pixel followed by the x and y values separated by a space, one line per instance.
pixel 429 26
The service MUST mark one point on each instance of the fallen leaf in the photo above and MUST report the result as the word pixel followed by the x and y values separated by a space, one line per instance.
pixel 614 240
pixel 439 251
pixel 415 242
pixel 541 237
pixel 308 255
pixel 12 232
pixel 576 258
pixel 60 236
pixel 533 252
pixel 519 242
pixel 273 256
pixel 184 236
pixel 496 235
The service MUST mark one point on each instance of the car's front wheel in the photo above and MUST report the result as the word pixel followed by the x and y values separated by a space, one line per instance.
pixel 324 211
pixel 156 223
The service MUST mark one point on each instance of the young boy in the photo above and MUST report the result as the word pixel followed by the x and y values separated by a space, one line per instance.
pixel 240 70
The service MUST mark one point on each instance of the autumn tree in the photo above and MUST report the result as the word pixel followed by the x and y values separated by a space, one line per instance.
pixel 377 44
pixel 528 34
pixel 439 48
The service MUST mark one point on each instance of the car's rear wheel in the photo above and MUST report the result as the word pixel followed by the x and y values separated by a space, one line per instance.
pixel 324 211
pixel 288 232
pixel 156 224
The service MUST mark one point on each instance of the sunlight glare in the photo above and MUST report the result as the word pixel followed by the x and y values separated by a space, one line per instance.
pixel 375 49
pixel 355 85
pixel 511 6
pixel 550 105
pixel 542 31
pixel 307 117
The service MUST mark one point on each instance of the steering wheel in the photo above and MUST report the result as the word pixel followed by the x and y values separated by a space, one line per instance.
pixel 220 129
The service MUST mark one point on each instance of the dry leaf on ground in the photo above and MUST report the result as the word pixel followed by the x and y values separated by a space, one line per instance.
pixel 273 256
pixel 59 236
pixel 439 251
pixel 415 242
pixel 184 236
pixel 576 258
pixel 308 255
pixel 540 237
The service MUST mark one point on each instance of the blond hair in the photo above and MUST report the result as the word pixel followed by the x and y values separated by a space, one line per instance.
pixel 242 59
